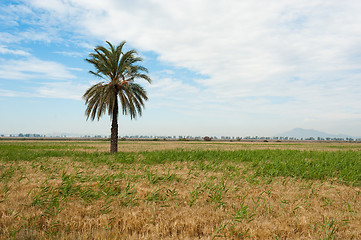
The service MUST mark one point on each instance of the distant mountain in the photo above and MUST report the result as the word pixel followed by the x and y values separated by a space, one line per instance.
pixel 307 133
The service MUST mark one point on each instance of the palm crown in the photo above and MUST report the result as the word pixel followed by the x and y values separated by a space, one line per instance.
pixel 119 70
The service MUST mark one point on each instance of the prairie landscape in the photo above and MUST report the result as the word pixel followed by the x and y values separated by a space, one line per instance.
pixel 180 190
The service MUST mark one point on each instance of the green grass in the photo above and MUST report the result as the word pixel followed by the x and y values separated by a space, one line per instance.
pixel 238 188
pixel 341 165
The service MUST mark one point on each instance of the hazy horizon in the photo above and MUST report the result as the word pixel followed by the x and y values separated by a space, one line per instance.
pixel 234 68
pixel 296 133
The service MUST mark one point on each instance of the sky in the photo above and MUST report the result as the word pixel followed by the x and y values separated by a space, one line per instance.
pixel 225 67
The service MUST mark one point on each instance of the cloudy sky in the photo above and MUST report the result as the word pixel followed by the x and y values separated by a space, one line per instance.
pixel 229 67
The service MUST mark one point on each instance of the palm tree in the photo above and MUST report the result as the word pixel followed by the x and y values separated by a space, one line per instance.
pixel 119 70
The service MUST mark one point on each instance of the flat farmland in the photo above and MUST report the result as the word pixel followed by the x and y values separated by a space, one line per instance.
pixel 180 190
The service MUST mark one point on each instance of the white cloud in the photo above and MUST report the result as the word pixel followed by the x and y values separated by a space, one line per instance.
pixel 250 50
pixel 31 68
pixel 27 24
pixel 11 93
pixel 293 59
pixel 171 88
pixel 6 37
pixel 57 90
pixel 236 41
pixel 49 79
pixel 5 50
pixel 62 90
pixel 71 54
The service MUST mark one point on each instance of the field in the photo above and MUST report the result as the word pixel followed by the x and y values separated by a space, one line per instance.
pixel 180 190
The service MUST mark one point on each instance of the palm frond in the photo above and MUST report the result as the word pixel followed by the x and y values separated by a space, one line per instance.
pixel 119 70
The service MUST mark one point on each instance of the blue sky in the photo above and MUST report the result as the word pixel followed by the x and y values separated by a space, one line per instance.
pixel 234 68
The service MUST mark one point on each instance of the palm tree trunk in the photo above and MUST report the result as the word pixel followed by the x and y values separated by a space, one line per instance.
pixel 114 130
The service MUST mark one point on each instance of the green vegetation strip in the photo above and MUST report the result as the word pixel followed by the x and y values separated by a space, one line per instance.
pixel 343 166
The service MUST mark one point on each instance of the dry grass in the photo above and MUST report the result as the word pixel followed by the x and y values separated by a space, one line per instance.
pixel 66 198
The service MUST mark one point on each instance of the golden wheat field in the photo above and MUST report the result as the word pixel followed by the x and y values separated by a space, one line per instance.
pixel 180 190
